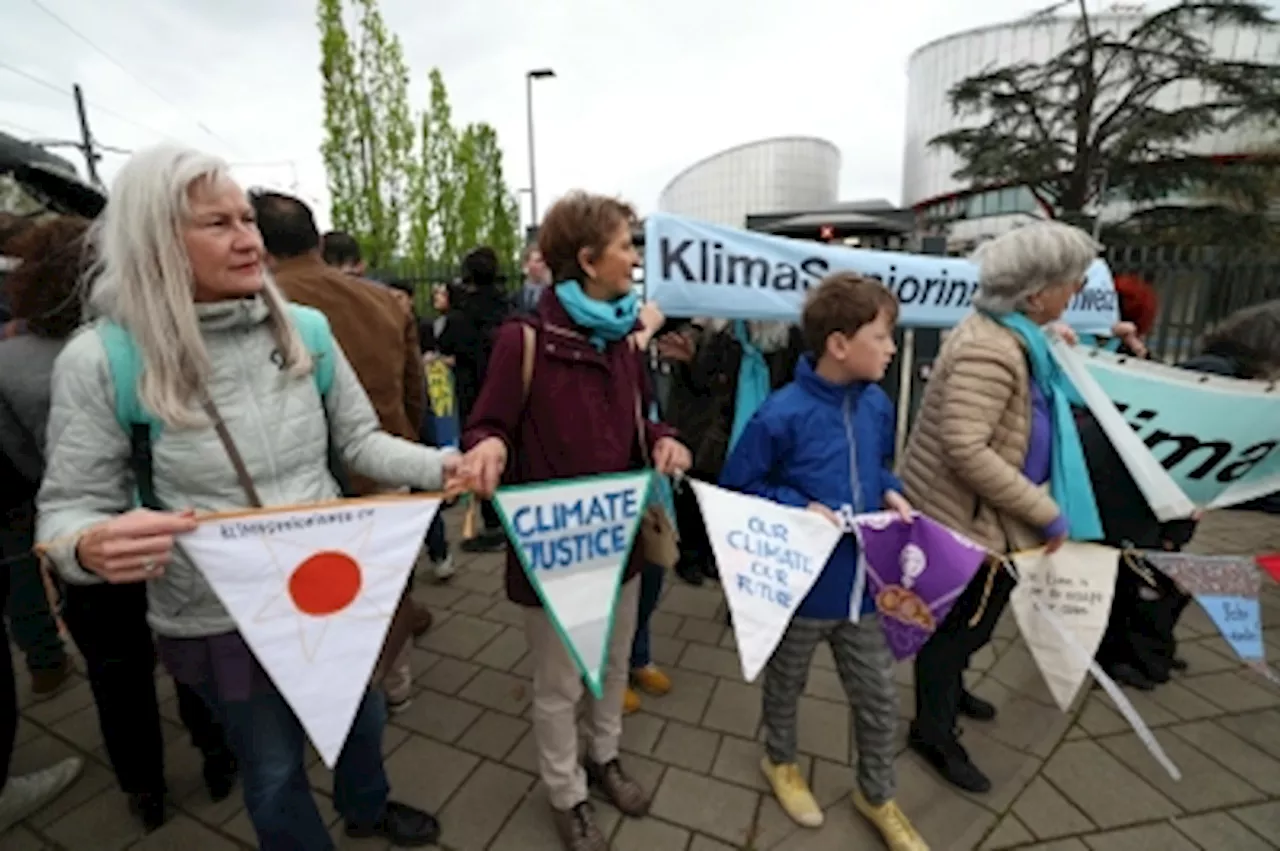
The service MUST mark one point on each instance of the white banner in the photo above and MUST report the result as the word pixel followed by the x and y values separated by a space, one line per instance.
pixel 574 537
pixel 1076 584
pixel 692 268
pixel 769 556
pixel 312 591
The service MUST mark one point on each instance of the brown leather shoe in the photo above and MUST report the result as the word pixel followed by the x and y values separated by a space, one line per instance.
pixel 623 792
pixel 422 619
pixel 45 683
pixel 577 829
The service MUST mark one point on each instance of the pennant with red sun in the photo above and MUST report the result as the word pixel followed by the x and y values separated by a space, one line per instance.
pixel 313 591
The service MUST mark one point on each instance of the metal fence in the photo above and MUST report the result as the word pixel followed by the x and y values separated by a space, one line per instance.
pixel 1197 287
pixel 419 280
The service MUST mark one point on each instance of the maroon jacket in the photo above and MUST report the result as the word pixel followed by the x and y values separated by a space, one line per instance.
pixel 580 419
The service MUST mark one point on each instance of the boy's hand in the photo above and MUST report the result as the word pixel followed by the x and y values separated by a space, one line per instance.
pixel 819 508
pixel 895 501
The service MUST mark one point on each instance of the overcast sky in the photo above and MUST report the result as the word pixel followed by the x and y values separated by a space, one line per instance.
pixel 644 87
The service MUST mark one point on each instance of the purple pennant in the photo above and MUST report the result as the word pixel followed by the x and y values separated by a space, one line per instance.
pixel 915 572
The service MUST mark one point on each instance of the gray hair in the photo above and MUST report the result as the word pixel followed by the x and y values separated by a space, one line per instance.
pixel 144 280
pixel 1251 338
pixel 1028 260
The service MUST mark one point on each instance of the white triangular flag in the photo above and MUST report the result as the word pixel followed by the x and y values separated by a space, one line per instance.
pixel 1077 585
pixel 573 538
pixel 313 591
pixel 769 556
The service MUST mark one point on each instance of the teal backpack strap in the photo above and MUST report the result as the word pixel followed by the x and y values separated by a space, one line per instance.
pixel 125 362
pixel 313 328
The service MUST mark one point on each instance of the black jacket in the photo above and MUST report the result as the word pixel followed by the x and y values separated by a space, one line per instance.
pixel 1127 519
pixel 704 394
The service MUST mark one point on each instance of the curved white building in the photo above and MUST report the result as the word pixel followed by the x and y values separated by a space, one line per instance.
pixel 768 176
pixel 927 184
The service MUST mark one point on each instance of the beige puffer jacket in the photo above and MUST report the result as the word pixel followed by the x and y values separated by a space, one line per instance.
pixel 963 461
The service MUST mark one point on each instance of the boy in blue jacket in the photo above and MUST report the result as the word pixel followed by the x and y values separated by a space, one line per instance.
pixel 825 442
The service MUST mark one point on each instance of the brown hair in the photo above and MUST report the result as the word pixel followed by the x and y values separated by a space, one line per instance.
pixel 44 290
pixel 579 220
pixel 11 226
pixel 842 303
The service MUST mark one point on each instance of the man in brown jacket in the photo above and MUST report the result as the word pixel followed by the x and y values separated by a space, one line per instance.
pixel 376 331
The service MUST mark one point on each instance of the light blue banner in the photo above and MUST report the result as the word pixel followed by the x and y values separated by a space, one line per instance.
pixel 1218 438
pixel 693 268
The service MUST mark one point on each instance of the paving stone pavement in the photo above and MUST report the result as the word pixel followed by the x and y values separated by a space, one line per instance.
pixel 1063 782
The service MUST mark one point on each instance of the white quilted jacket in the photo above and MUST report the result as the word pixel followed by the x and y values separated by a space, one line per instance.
pixel 276 422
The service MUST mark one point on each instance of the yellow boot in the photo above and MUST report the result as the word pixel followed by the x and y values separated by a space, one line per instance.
pixel 630 702
pixel 651 680
pixel 792 793
pixel 892 823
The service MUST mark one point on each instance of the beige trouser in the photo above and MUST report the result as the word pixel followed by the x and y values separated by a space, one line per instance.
pixel 557 689
pixel 397 683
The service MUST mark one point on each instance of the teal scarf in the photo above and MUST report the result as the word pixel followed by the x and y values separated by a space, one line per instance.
pixel 1069 475
pixel 753 382
pixel 607 321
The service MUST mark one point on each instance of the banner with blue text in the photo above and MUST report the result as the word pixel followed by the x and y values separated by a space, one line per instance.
pixel 573 538
pixel 769 556
pixel 1189 439
pixel 692 268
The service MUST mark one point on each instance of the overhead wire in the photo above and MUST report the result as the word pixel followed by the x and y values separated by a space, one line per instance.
pixel 103 53
pixel 65 91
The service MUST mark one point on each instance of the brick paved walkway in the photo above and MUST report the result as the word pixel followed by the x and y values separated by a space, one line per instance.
pixel 464 749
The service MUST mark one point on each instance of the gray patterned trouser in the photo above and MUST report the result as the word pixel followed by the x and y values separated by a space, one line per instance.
pixel 865 666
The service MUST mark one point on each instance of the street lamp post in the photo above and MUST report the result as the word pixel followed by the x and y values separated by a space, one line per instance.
pixel 529 77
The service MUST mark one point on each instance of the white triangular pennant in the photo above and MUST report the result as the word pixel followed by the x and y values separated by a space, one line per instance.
pixel 574 537
pixel 312 591
pixel 1076 584
pixel 769 556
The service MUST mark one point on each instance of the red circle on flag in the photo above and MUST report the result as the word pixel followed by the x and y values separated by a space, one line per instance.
pixel 325 583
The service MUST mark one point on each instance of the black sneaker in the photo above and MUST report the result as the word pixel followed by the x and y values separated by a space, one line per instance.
pixel 150 808
pixel 1128 675
pixel 220 772
pixel 951 761
pixel 972 706
pixel 488 541
pixel 1179 664
pixel 690 571
pixel 402 825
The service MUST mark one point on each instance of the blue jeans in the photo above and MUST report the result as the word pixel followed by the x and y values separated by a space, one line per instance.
pixel 650 590
pixel 270 746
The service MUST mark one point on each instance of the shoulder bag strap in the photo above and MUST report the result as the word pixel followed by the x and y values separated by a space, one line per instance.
pixel 527 355
pixel 644 446
pixel 242 472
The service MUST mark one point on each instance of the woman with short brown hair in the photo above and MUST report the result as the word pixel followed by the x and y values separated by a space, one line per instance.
pixel 577 417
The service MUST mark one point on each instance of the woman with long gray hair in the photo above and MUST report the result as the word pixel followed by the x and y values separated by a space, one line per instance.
pixel 231 416
pixel 995 428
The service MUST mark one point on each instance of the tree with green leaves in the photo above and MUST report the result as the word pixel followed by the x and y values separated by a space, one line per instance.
pixel 1091 120
pixel 432 236
pixel 369 134
pixel 486 214
pixel 460 196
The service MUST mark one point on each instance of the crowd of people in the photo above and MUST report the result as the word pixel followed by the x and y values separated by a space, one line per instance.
pixel 268 371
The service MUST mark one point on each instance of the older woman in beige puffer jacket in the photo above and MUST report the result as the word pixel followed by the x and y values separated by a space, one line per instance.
pixel 978 460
